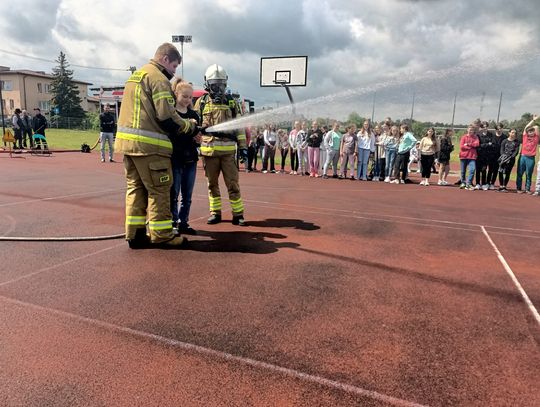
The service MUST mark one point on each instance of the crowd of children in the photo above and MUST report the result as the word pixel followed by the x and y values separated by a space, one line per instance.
pixel 386 151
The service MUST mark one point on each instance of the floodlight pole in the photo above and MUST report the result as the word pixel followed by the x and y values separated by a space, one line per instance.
pixel 181 39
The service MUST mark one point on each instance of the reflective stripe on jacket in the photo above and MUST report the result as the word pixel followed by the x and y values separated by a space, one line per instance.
pixel 216 113
pixel 148 100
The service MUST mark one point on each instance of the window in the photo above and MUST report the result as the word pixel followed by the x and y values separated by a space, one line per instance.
pixel 11 104
pixel 39 88
pixel 45 105
pixel 6 85
pixel 47 88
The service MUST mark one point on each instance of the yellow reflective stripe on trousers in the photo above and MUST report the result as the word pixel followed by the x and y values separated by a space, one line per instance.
pixel 215 203
pixel 136 220
pixel 237 205
pixel 218 148
pixel 241 137
pixel 144 139
pixel 160 224
pixel 137 107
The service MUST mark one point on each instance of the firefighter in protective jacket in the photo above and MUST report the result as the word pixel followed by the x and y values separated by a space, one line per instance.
pixel 218 149
pixel 147 119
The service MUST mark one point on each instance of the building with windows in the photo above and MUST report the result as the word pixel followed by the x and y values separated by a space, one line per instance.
pixel 25 89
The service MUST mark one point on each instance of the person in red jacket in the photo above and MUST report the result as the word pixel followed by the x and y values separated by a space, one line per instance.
pixel 467 154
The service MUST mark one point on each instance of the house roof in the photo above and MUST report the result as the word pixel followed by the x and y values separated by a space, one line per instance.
pixel 39 74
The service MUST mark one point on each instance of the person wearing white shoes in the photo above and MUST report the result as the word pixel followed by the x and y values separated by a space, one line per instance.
pixel 429 146
pixel 390 144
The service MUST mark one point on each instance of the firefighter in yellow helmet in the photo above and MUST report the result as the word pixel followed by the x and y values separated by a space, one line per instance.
pixel 218 149
pixel 147 121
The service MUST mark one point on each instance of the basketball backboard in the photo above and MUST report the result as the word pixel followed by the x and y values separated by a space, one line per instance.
pixel 278 71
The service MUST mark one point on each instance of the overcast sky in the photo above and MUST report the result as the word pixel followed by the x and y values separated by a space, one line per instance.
pixel 480 47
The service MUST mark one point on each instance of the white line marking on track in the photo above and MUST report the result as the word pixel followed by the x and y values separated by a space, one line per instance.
pixel 513 277
pixel 59 265
pixel 222 355
pixel 52 198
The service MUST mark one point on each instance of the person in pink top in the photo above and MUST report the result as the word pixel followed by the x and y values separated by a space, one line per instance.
pixel 529 144
pixel 467 155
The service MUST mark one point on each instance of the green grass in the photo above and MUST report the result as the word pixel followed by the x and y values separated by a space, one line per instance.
pixel 70 139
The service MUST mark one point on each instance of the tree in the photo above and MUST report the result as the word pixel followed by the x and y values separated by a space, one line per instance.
pixel 66 101
pixel 355 118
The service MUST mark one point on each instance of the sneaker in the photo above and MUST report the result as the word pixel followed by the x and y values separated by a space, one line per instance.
pixel 273 171
pixel 387 179
pixel 504 189
pixel 491 187
pixel 421 182
pixel 291 173
pixel 335 176
pixel 352 178
pixel 470 188
pixel 265 172
pixel 519 191
pixel 316 175
pixel 238 220
pixel 528 192
pixel 376 179
pixel 402 181
pixel 462 186
pixel 103 160
pixel 445 183
pixel 325 177
pixel 111 160
pixel 439 182
pixel 394 181
pixel 478 187
pixel 426 184
pixel 485 187
pixel 536 193
pixel 213 219
pixel 176 242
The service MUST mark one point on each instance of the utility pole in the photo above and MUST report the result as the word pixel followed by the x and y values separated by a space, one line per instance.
pixel 482 104
pixel 412 107
pixel 499 111
pixel 373 108
pixel 181 39
pixel 454 111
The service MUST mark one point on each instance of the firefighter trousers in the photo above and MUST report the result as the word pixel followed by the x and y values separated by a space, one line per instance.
pixel 226 164
pixel 148 196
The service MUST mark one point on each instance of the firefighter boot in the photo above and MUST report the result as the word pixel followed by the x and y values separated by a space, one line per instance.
pixel 214 219
pixel 238 220
pixel 140 241
pixel 177 242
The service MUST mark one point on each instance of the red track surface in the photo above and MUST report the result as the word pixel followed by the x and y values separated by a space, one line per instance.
pixel 338 293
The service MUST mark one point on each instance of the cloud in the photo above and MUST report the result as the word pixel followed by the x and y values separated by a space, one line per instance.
pixel 490 44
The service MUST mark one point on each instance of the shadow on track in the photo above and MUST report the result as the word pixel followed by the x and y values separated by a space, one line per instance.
pixel 239 242
pixel 284 223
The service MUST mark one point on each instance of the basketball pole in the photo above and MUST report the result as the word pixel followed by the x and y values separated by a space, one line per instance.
pixel 289 94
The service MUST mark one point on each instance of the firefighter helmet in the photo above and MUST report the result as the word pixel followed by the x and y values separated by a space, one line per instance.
pixel 215 80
